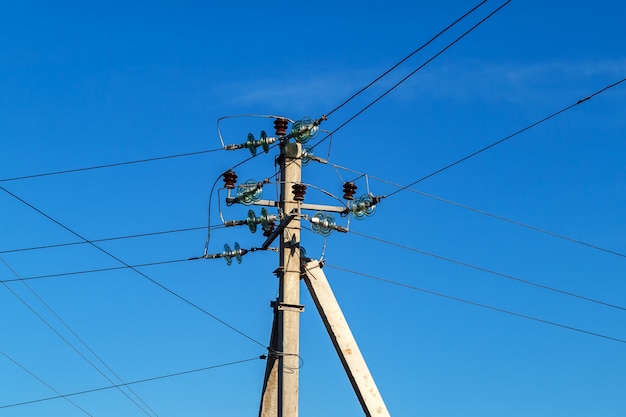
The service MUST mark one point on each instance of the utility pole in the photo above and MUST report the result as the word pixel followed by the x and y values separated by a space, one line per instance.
pixel 288 306
pixel 281 382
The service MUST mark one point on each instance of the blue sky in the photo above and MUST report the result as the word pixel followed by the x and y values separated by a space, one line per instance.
pixel 489 318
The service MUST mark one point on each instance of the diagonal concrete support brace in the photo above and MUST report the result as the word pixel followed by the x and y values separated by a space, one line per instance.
pixel 344 342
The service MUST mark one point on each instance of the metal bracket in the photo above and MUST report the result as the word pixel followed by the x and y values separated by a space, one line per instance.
pixel 303 206
pixel 277 231
pixel 277 305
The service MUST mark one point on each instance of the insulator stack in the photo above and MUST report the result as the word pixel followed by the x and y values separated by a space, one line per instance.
pixel 364 206
pixel 251 221
pixel 230 179
pixel 304 129
pixel 281 126
pixel 308 155
pixel 264 142
pixel 267 222
pixel 323 224
pixel 299 190
pixel 249 192
pixel 228 254
pixel 349 189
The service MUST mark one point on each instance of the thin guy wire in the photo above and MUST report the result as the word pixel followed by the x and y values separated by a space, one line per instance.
pixel 158 284
pixel 59 395
pixel 483 212
pixel 413 72
pixel 139 161
pixel 510 136
pixel 64 339
pixel 431 40
pixel 489 271
pixel 500 310
pixel 130 383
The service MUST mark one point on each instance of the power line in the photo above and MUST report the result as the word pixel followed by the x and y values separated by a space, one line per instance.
pixel 518 223
pixel 28 371
pixel 156 378
pixel 545 119
pixel 109 239
pixel 412 73
pixel 118 164
pixel 489 271
pixel 70 344
pixel 485 213
pixel 500 310
pixel 324 117
pixel 155 282
pixel 181 155
pixel 399 82
pixel 92 271
pixel 341 167
pixel 431 40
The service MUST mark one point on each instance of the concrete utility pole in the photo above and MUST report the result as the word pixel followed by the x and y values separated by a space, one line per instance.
pixel 281 382
pixel 288 305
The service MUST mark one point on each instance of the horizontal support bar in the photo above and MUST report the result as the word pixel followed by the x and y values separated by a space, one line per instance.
pixel 303 206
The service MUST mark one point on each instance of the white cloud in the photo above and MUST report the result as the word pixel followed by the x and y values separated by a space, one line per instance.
pixel 463 81
pixel 521 83
pixel 297 92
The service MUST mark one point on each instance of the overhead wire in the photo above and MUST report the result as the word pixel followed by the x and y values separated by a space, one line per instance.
pixel 482 212
pixel 112 165
pixel 50 387
pixel 518 223
pixel 208 234
pixel 70 344
pixel 153 281
pixel 407 188
pixel 265 116
pixel 490 271
pixel 335 166
pixel 403 80
pixel 377 79
pixel 511 136
pixel 271 116
pixel 182 155
pixel 476 304
pixel 91 271
pixel 424 45
pixel 110 239
pixel 140 381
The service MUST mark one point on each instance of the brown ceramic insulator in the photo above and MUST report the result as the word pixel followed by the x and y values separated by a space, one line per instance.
pixel 299 190
pixel 230 179
pixel 349 189
pixel 281 127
